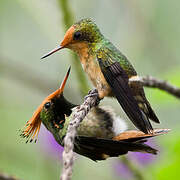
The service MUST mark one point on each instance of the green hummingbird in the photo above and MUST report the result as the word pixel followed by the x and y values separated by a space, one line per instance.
pixel 110 71
pixel 99 136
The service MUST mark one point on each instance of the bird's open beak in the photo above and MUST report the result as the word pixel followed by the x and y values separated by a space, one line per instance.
pixel 52 52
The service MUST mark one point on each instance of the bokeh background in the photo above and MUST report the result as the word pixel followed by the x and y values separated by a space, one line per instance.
pixel 147 32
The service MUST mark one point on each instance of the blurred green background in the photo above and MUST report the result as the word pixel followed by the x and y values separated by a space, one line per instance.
pixel 147 32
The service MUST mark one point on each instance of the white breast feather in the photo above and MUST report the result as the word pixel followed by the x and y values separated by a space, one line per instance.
pixel 119 125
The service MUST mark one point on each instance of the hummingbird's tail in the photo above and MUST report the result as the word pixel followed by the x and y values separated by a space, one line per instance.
pixel 100 149
pixel 134 135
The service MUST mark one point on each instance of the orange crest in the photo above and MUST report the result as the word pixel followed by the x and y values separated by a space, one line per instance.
pixel 32 127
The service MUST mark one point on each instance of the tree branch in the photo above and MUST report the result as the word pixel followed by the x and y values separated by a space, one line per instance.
pixel 152 82
pixel 7 177
pixel 80 113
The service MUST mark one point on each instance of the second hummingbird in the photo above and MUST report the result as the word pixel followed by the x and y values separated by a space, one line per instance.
pixel 110 71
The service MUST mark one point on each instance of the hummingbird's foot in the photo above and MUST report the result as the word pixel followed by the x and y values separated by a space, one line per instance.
pixel 92 93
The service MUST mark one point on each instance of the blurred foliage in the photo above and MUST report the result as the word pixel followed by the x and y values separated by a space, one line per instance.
pixel 64 6
pixel 146 31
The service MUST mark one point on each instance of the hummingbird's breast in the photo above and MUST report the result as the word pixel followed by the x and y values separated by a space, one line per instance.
pixel 101 122
pixel 92 68
pixel 98 123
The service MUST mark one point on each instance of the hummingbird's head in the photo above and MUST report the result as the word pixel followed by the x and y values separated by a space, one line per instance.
pixel 54 112
pixel 83 34
pixel 53 109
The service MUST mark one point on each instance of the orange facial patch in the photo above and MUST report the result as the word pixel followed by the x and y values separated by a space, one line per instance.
pixel 68 38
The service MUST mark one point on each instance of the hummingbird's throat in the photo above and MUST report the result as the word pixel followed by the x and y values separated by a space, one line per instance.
pixel 59 124
pixel 81 48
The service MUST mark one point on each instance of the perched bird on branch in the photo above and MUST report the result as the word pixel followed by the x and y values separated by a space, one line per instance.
pixel 110 71
pixel 99 136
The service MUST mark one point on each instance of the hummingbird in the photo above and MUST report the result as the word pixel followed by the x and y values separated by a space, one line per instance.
pixel 110 71
pixel 99 136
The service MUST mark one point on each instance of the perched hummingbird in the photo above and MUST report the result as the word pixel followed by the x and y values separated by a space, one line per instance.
pixel 109 70
pixel 99 135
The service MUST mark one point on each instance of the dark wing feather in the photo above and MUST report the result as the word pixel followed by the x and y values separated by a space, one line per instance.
pixel 151 113
pixel 100 149
pixel 118 81
pixel 143 103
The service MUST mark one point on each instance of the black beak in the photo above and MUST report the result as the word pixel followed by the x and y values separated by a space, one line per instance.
pixel 52 52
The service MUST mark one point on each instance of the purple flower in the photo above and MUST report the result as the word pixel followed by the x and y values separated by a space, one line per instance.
pixel 48 144
pixel 142 159
pixel 121 170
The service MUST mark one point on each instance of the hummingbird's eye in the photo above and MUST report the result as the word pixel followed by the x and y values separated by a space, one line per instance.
pixel 47 105
pixel 77 35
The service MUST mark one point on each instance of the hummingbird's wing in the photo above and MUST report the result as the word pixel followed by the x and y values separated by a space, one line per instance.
pixel 118 81
pixel 143 103
pixel 109 55
pixel 100 149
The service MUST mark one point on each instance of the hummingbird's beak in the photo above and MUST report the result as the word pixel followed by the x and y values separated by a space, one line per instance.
pixel 65 80
pixel 68 38
pixel 61 88
pixel 52 52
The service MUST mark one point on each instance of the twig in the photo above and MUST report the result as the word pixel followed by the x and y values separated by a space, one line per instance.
pixel 152 82
pixel 7 177
pixel 77 117
pixel 82 111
